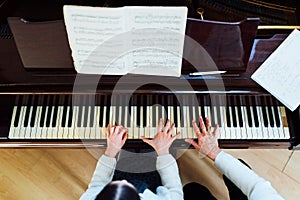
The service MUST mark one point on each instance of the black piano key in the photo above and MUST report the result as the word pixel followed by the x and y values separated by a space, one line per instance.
pixel 233 110
pixel 100 102
pixel 218 100
pixel 182 116
pixel 239 110
pixel 80 111
pixel 92 109
pixel 211 109
pixel 218 111
pixel 159 106
pixel 28 104
pixel 108 110
pixel 70 116
pixel 124 105
pixel 49 112
pixel 129 111
pixel 118 117
pixel 85 110
pixel 248 111
pixel 190 109
pixel 270 111
pixel 137 101
pixel 196 105
pixel 175 104
pixel 276 112
pixel 65 99
pixel 44 99
pixel 165 104
pixel 203 103
pixel 19 100
pixel 34 110
pixel 145 112
pixel 264 113
pixel 154 105
pixel 55 110
pixel 255 103
pixel 228 113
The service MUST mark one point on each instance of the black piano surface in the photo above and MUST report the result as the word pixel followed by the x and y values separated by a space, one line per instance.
pixel 243 104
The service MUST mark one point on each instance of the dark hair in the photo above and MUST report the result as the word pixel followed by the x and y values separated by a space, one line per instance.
pixel 118 192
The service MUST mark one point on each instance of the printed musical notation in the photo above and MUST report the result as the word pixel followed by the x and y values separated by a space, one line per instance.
pixel 143 40
pixel 280 73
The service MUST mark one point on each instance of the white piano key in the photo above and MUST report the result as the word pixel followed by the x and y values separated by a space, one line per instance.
pixel 135 129
pixel 87 129
pixel 238 129
pixel 222 133
pixel 97 129
pixel 186 121
pixel 244 133
pixel 59 128
pixel 270 114
pixel 105 123
pixel 263 131
pixel 49 134
pixel 284 123
pixel 12 128
pixel 280 128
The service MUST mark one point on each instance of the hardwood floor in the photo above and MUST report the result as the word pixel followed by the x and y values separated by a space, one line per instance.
pixel 65 173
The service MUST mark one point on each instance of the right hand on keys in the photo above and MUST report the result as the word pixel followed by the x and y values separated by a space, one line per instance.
pixel 116 137
pixel 163 138
pixel 207 141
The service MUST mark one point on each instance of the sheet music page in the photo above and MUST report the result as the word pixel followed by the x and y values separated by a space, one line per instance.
pixel 116 41
pixel 157 39
pixel 92 34
pixel 280 73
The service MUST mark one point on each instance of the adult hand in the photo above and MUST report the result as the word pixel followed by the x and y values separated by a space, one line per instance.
pixel 163 138
pixel 116 137
pixel 207 141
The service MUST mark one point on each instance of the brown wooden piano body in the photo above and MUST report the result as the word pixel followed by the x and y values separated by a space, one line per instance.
pixel 30 100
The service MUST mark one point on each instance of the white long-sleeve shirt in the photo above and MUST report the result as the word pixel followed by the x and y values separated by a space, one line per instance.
pixel 166 166
pixel 252 185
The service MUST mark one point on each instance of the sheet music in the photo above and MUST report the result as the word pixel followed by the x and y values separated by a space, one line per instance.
pixel 138 40
pixel 280 73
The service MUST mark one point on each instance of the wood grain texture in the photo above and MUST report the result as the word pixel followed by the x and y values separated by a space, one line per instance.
pixel 65 173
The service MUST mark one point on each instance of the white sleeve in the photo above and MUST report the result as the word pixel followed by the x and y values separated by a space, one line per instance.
pixel 167 168
pixel 103 175
pixel 252 185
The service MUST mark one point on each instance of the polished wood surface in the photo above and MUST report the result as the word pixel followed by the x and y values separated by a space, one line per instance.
pixel 65 173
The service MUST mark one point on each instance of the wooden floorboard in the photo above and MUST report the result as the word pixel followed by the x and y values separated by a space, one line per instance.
pixel 65 173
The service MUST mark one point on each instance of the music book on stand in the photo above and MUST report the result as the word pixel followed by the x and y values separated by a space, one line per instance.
pixel 130 39
pixel 280 72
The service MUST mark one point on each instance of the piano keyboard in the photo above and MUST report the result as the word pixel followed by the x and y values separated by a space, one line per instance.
pixel 86 116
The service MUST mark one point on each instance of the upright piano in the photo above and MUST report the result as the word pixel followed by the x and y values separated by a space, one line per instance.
pixel 56 107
